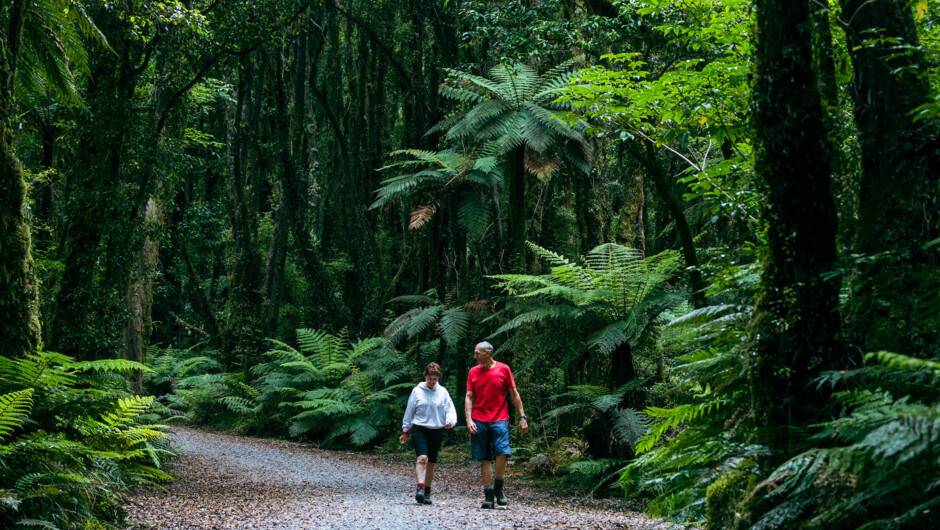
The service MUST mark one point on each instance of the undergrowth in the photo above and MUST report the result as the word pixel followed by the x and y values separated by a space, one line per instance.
pixel 73 441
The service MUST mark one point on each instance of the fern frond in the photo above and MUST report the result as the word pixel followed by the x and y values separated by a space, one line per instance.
pixel 629 427
pixel 127 411
pixel 455 323
pixel 121 366
pixel 423 320
pixel 14 409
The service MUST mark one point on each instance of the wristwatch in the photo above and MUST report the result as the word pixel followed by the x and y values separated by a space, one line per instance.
pixel 523 417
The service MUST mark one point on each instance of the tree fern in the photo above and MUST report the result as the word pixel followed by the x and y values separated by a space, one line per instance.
pixel 443 178
pixel 451 323
pixel 601 299
pixel 52 48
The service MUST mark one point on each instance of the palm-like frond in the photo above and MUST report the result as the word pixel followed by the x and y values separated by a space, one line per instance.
pixel 52 48
pixel 612 288
pixel 514 109
pixel 474 216
pixel 455 323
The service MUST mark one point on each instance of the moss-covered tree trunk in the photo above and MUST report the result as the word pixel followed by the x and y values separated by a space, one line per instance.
pixel 19 321
pixel 139 294
pixel 898 195
pixel 795 329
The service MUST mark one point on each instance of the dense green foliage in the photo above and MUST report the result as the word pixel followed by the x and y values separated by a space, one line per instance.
pixel 703 233
pixel 73 441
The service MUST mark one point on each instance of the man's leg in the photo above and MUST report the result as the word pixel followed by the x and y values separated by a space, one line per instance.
pixel 482 449
pixel 500 466
pixel 502 449
pixel 430 475
pixel 486 471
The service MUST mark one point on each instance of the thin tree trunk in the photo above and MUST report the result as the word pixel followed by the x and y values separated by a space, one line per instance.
pixel 664 189
pixel 517 210
pixel 202 299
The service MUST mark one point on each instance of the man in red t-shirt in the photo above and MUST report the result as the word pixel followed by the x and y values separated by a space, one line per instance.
pixel 488 419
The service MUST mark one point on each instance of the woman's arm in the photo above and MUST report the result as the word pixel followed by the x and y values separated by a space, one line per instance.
pixel 407 421
pixel 451 413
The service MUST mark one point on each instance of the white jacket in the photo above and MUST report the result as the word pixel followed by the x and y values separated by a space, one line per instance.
pixel 429 408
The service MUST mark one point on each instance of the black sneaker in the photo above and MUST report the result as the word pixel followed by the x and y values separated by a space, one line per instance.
pixel 427 495
pixel 419 496
pixel 488 502
pixel 501 499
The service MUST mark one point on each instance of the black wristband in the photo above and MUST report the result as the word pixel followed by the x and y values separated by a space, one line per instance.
pixel 523 417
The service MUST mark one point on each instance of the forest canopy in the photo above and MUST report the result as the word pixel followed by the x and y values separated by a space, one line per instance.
pixel 705 235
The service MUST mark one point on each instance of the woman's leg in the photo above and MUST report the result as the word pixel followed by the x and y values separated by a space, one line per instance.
pixel 430 475
pixel 420 441
pixel 434 438
pixel 421 468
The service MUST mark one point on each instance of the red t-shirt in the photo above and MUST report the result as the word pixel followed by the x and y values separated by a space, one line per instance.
pixel 489 387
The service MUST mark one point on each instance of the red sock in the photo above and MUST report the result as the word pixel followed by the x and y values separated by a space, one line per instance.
pixel 421 484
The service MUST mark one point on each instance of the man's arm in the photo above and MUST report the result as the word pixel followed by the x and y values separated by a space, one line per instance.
pixel 517 402
pixel 468 410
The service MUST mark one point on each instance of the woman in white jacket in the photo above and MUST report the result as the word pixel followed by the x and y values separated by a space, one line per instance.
pixel 430 411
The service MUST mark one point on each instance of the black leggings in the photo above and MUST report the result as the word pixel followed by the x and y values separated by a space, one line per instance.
pixel 427 441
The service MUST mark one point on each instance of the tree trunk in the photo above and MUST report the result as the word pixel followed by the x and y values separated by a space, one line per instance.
pixel 898 196
pixel 517 210
pixel 19 303
pixel 664 189
pixel 274 267
pixel 139 294
pixel 824 57
pixel 586 201
pixel 98 238
pixel 243 335
pixel 795 328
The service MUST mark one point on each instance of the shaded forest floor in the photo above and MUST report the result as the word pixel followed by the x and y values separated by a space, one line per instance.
pixel 227 481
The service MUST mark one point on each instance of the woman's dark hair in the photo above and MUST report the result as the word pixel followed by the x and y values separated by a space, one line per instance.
pixel 432 369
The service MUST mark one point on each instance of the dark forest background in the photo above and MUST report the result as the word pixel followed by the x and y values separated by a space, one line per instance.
pixel 703 233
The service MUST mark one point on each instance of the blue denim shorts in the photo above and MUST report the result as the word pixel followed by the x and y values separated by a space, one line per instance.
pixel 491 439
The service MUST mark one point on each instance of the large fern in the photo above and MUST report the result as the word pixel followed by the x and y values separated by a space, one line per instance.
pixel 515 107
pixel 72 440
pixel 610 300
pixel 874 466
pixel 464 181
pixel 450 323
pixel 877 466
pixel 329 387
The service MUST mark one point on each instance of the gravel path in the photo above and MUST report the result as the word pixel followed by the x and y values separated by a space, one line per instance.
pixel 228 481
